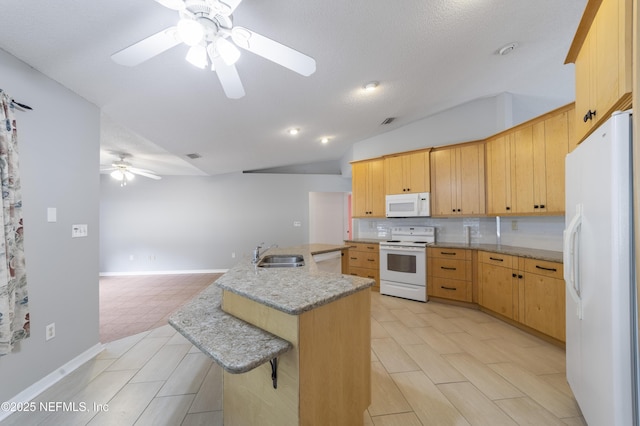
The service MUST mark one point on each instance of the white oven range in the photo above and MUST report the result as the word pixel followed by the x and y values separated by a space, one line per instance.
pixel 403 262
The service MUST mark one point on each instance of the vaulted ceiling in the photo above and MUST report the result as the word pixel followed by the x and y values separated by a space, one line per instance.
pixel 427 55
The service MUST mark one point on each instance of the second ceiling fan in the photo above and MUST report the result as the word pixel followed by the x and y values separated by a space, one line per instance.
pixel 206 26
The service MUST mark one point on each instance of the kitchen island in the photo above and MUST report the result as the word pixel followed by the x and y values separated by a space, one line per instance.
pixel 294 342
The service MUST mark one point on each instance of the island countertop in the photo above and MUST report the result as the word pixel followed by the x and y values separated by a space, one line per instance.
pixel 292 290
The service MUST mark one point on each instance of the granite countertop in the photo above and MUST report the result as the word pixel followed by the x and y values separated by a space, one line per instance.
pixel 292 290
pixel 235 345
pixel 548 255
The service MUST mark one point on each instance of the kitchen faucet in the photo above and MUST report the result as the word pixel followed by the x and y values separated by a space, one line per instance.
pixel 256 251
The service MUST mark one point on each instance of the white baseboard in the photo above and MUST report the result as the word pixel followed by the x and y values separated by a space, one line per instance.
pixel 49 380
pixel 188 271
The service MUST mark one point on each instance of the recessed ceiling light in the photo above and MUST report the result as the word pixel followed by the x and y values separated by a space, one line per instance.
pixel 324 140
pixel 371 86
pixel 294 131
pixel 507 48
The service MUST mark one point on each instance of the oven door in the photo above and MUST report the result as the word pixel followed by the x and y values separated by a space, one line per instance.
pixel 406 265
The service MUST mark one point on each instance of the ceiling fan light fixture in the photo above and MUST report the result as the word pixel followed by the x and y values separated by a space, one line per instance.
pixel 293 131
pixel 227 50
pixel 128 175
pixel 324 140
pixel 117 174
pixel 197 56
pixel 190 31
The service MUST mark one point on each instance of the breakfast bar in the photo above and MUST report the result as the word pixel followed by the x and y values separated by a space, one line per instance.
pixel 294 342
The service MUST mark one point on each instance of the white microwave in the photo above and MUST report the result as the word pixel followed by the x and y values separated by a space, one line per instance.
pixel 408 205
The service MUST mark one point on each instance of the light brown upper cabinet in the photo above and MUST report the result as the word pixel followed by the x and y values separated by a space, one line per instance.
pixel 407 173
pixel 367 181
pixel 457 180
pixel 525 166
pixel 602 53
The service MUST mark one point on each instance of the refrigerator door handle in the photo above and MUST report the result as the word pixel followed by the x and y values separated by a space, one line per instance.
pixel 571 276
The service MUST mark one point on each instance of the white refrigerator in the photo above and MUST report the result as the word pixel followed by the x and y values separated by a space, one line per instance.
pixel 599 269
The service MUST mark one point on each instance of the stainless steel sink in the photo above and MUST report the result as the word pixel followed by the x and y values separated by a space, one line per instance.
pixel 281 261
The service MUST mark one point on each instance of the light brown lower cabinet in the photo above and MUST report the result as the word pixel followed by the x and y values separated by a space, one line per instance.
pixel 450 273
pixel 363 260
pixel 528 291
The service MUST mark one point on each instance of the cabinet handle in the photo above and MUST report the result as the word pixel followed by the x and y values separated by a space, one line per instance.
pixel 353 258
pixel 536 206
pixel 458 209
pixel 496 259
pixel 454 210
pixel 447 268
pixel 370 248
pixel 513 275
pixel 542 206
pixel 448 253
pixel 519 276
pixel 508 208
pixel 589 115
pixel 371 260
pixel 448 288
pixel 546 269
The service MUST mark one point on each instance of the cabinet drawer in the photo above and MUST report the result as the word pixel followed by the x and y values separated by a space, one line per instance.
pixel 450 268
pixel 365 273
pixel 498 259
pixel 363 260
pixel 451 289
pixel 447 253
pixel 365 247
pixel 545 268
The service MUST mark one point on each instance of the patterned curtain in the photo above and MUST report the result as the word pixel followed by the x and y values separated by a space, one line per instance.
pixel 14 313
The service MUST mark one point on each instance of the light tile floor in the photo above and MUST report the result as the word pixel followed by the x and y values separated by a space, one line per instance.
pixel 432 364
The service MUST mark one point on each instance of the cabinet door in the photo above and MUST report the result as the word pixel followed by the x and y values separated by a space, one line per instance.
pixel 417 175
pixel 607 60
pixel 359 184
pixel 498 176
pixel 470 180
pixel 522 170
pixel 584 87
pixel 442 177
pixel 376 188
pixel 544 305
pixel 556 147
pixel 496 290
pixel 394 169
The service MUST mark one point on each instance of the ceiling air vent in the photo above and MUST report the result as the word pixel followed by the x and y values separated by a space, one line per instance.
pixel 194 155
pixel 387 120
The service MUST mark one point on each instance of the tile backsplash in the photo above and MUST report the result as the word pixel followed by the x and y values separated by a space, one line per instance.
pixel 539 232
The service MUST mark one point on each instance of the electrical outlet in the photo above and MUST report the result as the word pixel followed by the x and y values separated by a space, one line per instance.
pixel 233 254
pixel 514 225
pixel 297 224
pixel 50 331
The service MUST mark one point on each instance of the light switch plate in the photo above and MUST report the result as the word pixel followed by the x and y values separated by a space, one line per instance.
pixel 52 214
pixel 79 230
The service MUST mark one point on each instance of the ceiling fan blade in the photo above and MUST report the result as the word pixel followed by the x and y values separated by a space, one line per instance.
pixel 233 4
pixel 273 51
pixel 147 48
pixel 172 4
pixel 145 173
pixel 108 169
pixel 229 79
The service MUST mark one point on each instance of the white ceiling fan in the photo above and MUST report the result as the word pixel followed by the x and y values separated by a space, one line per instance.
pixel 207 27
pixel 124 172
